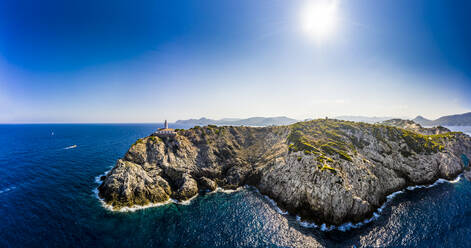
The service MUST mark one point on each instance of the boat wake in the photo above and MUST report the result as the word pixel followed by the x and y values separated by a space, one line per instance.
pixel 5 190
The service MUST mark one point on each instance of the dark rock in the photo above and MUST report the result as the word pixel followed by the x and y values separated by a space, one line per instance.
pixel 207 184
pixel 188 188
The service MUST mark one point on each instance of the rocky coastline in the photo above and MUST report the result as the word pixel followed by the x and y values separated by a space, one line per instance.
pixel 325 171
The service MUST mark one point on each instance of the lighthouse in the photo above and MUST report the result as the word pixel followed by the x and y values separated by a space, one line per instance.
pixel 165 131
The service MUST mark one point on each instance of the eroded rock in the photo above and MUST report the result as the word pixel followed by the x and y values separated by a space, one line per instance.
pixel 328 171
pixel 207 184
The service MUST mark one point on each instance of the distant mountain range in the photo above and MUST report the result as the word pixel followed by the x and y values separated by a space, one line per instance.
pixel 449 120
pixel 366 119
pixel 253 121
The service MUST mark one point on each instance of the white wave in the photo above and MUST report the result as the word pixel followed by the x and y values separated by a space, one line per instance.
pixel 70 147
pixel 439 181
pixel 305 223
pixel 186 202
pixel 140 207
pixel 98 178
pixel 323 227
pixel 457 179
pixel 4 190
pixel 389 197
pixel 349 225
pixel 271 201
pixel 275 206
pixel 130 209
pixel 126 209
pixel 226 191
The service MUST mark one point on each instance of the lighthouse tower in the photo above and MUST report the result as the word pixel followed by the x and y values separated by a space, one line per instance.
pixel 165 131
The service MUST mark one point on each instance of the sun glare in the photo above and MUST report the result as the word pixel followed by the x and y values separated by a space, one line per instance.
pixel 319 18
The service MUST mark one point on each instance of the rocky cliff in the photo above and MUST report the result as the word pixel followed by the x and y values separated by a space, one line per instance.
pixel 326 171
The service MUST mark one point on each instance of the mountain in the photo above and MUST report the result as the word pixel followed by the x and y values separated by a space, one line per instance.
pixel 423 121
pixel 363 118
pixel 196 122
pixel 325 170
pixel 253 121
pixel 262 121
pixel 449 120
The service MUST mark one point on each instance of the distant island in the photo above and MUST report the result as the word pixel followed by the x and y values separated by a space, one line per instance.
pixel 449 120
pixel 324 170
pixel 253 121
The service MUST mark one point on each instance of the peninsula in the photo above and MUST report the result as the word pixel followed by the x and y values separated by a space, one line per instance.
pixel 449 120
pixel 326 171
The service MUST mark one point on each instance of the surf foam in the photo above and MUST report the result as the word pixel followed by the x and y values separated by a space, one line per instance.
pixel 136 207
pixel 349 225
pixel 323 227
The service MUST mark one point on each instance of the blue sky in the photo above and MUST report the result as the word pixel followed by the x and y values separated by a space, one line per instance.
pixel 121 61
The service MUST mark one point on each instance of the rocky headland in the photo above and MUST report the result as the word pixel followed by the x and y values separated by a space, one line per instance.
pixel 449 120
pixel 327 171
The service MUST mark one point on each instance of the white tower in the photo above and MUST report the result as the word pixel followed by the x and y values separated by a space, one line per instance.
pixel 166 124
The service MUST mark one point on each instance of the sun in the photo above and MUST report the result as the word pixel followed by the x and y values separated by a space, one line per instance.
pixel 319 18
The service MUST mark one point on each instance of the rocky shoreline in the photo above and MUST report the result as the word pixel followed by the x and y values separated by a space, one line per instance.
pixel 325 171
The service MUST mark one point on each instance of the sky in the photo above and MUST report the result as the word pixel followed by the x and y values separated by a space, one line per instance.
pixel 146 61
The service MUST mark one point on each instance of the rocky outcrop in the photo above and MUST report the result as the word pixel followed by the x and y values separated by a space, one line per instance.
pixel 207 184
pixel 129 184
pixel 413 126
pixel 327 171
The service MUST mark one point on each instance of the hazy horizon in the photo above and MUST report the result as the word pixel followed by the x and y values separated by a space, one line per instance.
pixel 219 119
pixel 119 62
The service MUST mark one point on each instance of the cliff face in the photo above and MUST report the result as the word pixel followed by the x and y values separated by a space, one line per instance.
pixel 324 170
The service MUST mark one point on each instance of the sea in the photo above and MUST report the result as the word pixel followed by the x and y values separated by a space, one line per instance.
pixel 49 174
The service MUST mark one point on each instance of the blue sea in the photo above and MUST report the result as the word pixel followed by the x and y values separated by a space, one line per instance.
pixel 47 199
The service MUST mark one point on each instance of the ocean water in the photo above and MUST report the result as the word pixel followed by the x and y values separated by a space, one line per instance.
pixel 47 199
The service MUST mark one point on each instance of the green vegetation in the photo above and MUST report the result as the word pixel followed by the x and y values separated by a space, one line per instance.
pixel 332 148
pixel 138 141
pixel 321 138
pixel 214 128
pixel 330 138
pixel 323 159
pixel 326 167
pixel 428 144
pixel 155 139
